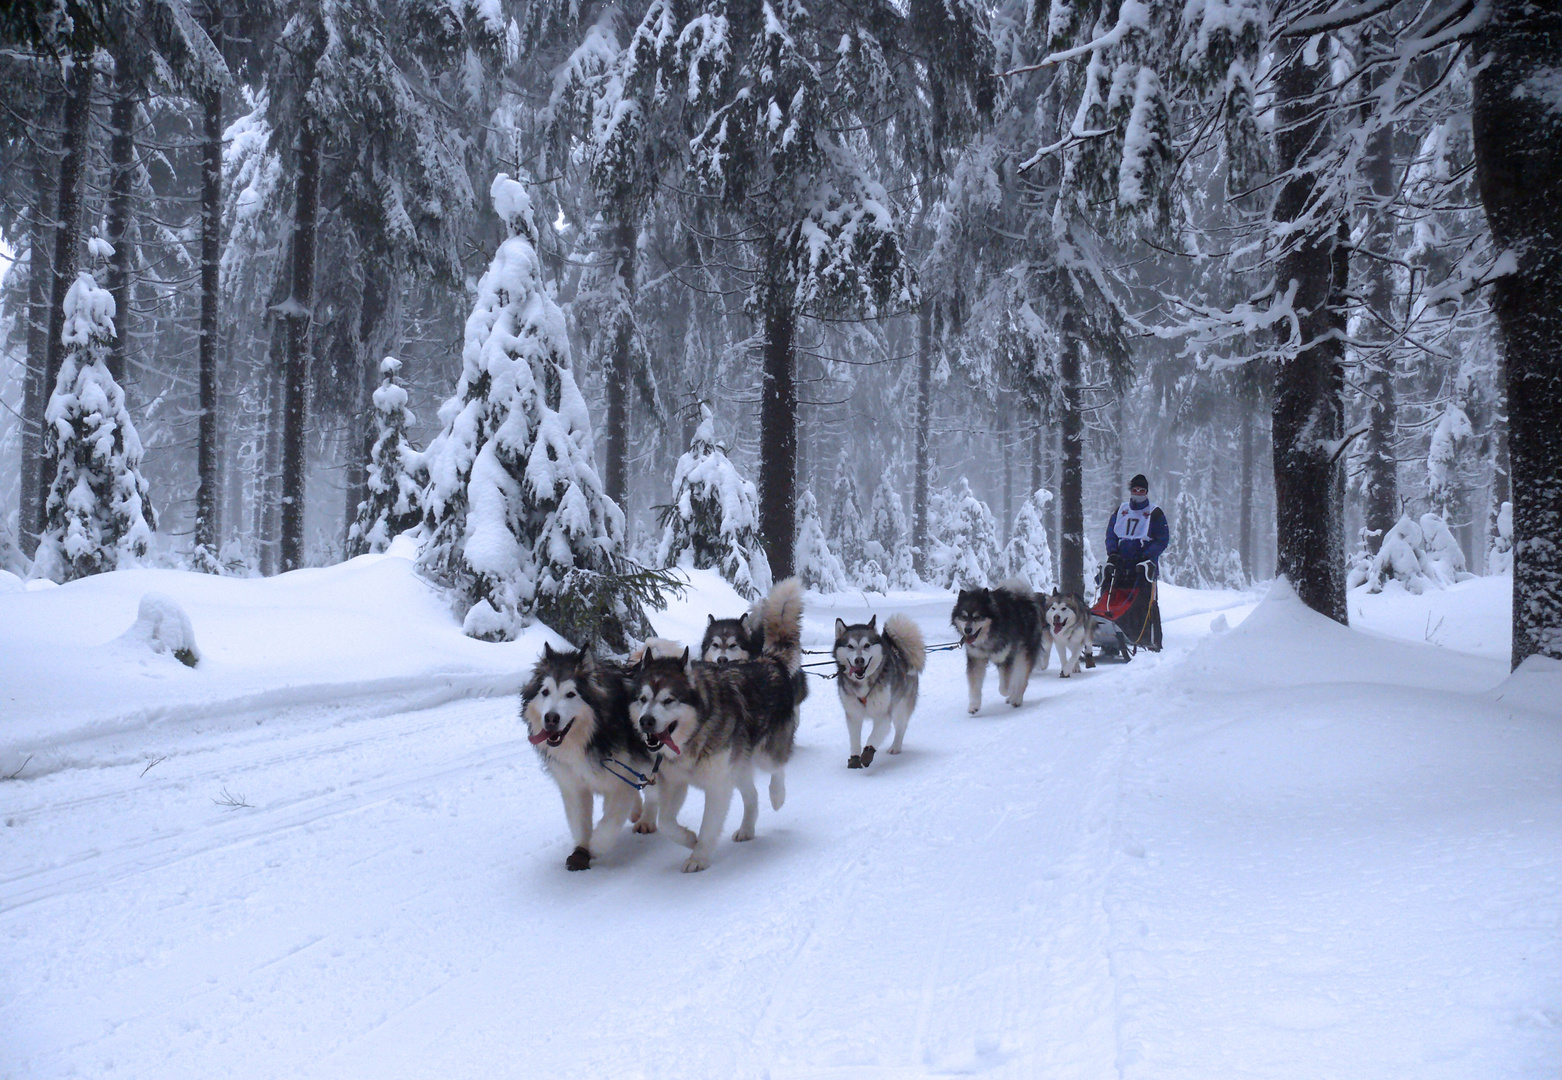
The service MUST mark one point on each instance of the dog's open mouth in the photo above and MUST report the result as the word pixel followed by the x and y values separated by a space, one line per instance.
pixel 553 738
pixel 968 637
pixel 859 669
pixel 1057 626
pixel 657 739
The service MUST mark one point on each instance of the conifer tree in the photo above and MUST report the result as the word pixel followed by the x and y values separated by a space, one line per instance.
pixel 98 511
pixel 514 503
pixel 964 539
pixel 713 520
pixel 397 472
pixel 848 532
pixel 817 566
pixel 1028 555
pixel 889 538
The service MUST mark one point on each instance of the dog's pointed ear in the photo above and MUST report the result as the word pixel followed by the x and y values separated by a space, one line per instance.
pixel 873 622
pixel 588 657
pixel 840 628
pixel 547 650
pixel 686 657
pixel 710 621
pixel 645 656
pixel 743 622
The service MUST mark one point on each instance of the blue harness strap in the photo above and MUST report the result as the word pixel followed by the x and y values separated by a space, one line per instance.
pixel 640 780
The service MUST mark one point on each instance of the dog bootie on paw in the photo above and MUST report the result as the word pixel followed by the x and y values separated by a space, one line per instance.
pixel 854 762
pixel 867 756
pixel 579 859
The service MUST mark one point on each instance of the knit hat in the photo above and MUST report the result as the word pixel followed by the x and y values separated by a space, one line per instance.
pixel 1139 482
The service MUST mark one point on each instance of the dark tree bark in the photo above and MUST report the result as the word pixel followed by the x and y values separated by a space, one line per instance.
pixel 375 320
pixel 40 286
pixel 1308 406
pixel 1071 493
pixel 1518 160
pixel 1006 452
pixel 121 181
pixel 298 312
pixel 67 231
pixel 268 486
pixel 1038 449
pixel 620 372
pixel 1380 460
pixel 208 461
pixel 924 438
pixel 1245 524
pixel 778 434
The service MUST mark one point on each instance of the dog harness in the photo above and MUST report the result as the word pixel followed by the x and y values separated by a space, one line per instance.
pixel 1134 523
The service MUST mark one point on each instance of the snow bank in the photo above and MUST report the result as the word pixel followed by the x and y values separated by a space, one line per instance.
pixel 163 627
pixel 365 628
pixel 1536 685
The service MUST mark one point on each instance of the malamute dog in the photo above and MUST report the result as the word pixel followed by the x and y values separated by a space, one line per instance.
pixel 577 710
pixel 1069 624
pixel 1001 625
pixel 736 640
pixel 711 725
pixel 878 673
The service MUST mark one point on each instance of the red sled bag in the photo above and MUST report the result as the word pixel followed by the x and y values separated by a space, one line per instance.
pixel 1126 607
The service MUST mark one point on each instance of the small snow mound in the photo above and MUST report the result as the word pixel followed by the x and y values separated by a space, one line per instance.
pixel 162 626
pixel 485 623
pixel 1219 625
pixel 404 545
pixel 1535 684
pixel 10 583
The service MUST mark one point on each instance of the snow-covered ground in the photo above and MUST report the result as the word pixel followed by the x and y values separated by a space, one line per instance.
pixel 1279 849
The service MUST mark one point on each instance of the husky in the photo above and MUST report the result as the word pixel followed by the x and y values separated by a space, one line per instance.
pixel 877 677
pixel 577 710
pixel 1069 624
pixel 730 641
pixel 711 725
pixel 1001 625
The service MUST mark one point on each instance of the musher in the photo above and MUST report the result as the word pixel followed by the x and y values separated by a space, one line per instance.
pixel 1138 533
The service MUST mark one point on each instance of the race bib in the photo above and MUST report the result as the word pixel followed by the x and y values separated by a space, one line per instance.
pixel 1132 523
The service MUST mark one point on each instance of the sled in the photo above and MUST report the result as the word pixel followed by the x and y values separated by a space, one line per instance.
pixel 1124 613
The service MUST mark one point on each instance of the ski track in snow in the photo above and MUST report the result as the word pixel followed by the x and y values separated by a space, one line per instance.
pixel 1089 886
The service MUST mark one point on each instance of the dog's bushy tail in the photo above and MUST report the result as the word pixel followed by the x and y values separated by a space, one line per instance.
pixel 907 637
pixel 1016 586
pixel 782 618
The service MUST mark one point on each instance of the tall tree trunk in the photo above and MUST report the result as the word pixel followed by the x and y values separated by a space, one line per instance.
pixel 1245 524
pixel 121 181
pixel 924 438
pixel 1038 436
pixel 269 528
pixel 1308 404
pixel 208 464
pixel 67 231
pixel 1071 538
pixel 1380 460
pixel 375 321
pixel 620 367
pixel 40 286
pixel 298 313
pixel 1006 453
pixel 778 434
pixel 1518 160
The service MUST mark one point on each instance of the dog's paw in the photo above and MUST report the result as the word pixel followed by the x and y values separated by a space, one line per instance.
pixel 867 756
pixel 1062 674
pixel 695 863
pixel 894 749
pixel 579 859
pixel 854 762
pixel 974 707
pixel 685 836
pixel 743 833
pixel 645 825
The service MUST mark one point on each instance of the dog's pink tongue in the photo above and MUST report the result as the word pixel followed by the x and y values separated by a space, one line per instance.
pixel 540 737
pixel 1057 626
pixel 667 740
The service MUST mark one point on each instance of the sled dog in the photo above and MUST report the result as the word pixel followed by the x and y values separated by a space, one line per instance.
pixel 729 641
pixel 1069 624
pixel 710 725
pixel 576 708
pixel 877 677
pixel 1001 625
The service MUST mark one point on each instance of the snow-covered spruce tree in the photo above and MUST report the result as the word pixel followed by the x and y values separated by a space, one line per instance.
pixel 1499 555
pixel 964 538
pixel 1028 555
pixel 848 531
pixel 97 511
pixel 397 473
pixel 888 546
pixel 514 506
pixel 1444 558
pixel 817 566
pixel 1401 557
pixel 713 520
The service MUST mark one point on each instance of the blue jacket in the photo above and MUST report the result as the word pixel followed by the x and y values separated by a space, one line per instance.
pixel 1138 550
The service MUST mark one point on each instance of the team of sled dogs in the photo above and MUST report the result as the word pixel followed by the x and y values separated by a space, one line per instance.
pixel 641 734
